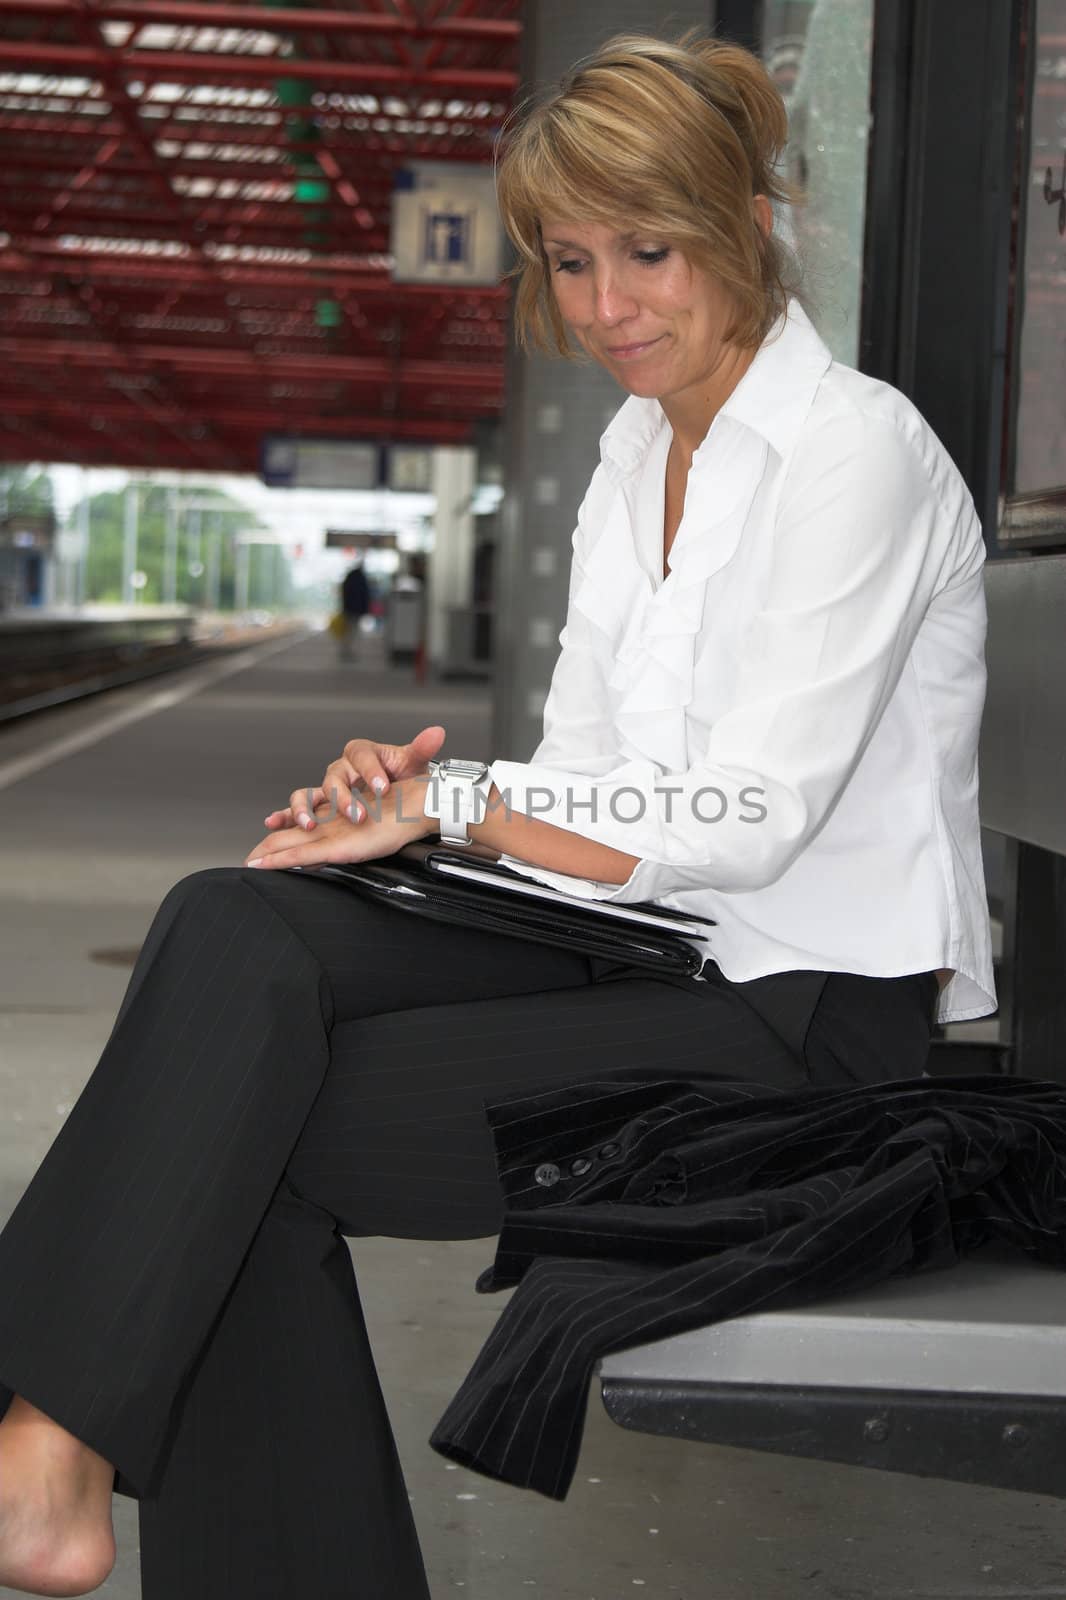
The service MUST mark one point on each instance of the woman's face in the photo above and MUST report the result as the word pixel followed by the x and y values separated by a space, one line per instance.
pixel 655 322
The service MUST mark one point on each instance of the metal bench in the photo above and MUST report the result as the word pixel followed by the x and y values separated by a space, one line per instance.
pixel 961 1373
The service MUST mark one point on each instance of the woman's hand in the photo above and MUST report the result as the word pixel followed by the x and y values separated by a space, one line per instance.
pixel 365 767
pixel 383 830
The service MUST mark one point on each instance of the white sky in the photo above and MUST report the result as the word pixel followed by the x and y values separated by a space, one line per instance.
pixel 294 516
pixel 297 516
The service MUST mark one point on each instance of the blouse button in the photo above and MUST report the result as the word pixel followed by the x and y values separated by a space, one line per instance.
pixel 579 1167
pixel 609 1150
pixel 547 1174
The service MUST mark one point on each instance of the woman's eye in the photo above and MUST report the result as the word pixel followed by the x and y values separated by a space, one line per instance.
pixel 650 258
pixel 569 266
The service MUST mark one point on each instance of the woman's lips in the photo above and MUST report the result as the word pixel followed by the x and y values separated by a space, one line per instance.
pixel 630 352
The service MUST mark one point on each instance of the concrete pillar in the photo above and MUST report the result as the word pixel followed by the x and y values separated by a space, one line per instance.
pixel 555 409
pixel 450 576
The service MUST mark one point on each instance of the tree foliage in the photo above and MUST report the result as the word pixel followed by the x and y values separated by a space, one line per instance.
pixel 25 489
pixel 214 519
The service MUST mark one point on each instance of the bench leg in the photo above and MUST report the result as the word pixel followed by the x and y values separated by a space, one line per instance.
pixel 1033 991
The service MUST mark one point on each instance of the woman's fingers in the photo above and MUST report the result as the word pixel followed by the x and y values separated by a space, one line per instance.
pixel 366 769
pixel 285 817
pixel 379 765
pixel 372 762
pixel 301 807
pixel 410 760
pixel 318 803
pixel 423 747
pixel 342 785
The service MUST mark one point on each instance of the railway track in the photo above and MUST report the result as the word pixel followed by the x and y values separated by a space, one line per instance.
pixel 50 662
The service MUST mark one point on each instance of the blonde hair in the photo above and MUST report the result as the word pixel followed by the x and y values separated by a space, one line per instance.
pixel 674 138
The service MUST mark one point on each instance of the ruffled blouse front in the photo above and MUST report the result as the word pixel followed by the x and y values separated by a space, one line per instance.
pixel 657 622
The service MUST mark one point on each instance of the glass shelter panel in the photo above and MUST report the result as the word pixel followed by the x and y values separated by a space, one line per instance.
pixel 819 53
pixel 1038 479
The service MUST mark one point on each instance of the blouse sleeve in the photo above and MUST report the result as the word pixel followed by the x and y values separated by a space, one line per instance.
pixel 862 543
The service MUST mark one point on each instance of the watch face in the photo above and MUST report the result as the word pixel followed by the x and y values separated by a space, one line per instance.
pixel 454 767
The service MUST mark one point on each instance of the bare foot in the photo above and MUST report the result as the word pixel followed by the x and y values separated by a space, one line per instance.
pixel 56 1536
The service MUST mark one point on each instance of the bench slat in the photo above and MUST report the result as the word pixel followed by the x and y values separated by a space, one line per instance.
pixel 957 1374
pixel 996 1323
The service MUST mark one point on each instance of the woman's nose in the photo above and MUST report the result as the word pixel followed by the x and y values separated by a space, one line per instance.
pixel 613 303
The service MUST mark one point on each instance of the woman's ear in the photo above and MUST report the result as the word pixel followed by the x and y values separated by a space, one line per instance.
pixel 764 215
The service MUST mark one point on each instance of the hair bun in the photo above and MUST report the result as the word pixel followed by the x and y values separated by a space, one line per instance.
pixel 746 94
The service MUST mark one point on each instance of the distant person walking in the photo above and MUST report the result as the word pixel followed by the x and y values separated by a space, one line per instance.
pixel 355 603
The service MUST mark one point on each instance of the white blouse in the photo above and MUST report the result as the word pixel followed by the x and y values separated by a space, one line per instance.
pixel 785 730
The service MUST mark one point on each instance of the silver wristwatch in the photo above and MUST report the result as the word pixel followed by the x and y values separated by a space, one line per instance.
pixel 457 794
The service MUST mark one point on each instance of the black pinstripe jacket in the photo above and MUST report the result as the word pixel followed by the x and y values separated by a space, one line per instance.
pixel 637 1210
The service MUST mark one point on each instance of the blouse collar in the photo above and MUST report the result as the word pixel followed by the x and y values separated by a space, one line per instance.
pixel 773 397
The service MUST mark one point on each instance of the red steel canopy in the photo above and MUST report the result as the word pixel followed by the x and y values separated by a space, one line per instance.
pixel 194 205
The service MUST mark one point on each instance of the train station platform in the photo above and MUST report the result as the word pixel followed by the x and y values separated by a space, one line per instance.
pixel 104 805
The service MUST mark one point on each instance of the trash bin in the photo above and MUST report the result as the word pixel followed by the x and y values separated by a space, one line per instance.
pixel 403 620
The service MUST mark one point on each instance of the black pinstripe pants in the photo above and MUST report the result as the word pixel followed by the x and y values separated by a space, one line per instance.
pixel 291 1064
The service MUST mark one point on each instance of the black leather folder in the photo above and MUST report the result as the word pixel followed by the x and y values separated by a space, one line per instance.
pixel 447 885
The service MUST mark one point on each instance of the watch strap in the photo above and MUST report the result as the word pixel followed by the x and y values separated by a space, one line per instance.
pixel 457 793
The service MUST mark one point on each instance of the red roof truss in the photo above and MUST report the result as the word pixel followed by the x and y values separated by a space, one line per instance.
pixel 194 205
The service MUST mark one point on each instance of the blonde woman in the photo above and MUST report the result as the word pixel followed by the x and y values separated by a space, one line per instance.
pixel 765 709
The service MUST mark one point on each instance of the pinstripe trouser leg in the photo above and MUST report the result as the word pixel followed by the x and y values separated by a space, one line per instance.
pixel 291 1064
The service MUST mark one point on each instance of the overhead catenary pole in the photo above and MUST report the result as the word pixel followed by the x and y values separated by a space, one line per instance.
pixel 213 536
pixel 129 543
pixel 192 545
pixel 85 513
pixel 170 549
pixel 240 602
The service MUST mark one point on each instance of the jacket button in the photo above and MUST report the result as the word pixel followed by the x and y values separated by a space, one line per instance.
pixel 580 1166
pixel 609 1150
pixel 547 1174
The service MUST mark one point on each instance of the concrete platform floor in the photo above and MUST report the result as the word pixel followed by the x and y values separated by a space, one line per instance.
pixel 103 806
